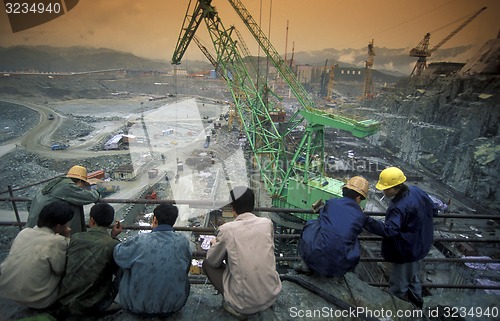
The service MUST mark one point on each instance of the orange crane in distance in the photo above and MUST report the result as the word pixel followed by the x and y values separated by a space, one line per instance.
pixel 368 83
pixel 327 81
pixel 421 51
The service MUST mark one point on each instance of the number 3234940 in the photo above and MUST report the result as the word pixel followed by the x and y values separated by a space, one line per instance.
pixel 33 7
pixel 473 312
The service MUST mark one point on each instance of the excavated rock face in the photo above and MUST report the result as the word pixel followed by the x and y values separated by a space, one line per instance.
pixel 449 127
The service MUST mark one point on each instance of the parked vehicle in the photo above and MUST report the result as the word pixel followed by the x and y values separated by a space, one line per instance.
pixel 59 147
pixel 207 142
pixel 152 173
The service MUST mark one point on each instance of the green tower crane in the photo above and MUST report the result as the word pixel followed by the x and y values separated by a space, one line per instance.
pixel 292 173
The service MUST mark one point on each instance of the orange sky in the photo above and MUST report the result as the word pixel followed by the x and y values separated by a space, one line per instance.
pixel 150 28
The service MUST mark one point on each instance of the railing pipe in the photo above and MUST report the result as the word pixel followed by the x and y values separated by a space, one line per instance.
pixel 425 260
pixel 209 230
pixel 14 206
pixel 219 204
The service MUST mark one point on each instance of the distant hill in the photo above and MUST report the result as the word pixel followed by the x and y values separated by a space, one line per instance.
pixel 72 59
pixel 393 62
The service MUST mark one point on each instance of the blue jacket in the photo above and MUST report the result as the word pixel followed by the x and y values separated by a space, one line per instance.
pixel 408 230
pixel 329 245
pixel 155 271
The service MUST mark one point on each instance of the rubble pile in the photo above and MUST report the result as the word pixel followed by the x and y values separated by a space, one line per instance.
pixel 15 121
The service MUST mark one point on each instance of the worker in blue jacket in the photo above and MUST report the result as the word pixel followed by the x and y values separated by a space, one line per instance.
pixel 155 267
pixel 329 245
pixel 407 233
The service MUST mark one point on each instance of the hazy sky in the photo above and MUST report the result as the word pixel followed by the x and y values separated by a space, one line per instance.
pixel 150 28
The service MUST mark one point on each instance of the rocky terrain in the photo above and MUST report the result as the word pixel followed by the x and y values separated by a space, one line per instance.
pixel 449 129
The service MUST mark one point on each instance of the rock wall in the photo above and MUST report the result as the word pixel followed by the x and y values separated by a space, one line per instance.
pixel 448 126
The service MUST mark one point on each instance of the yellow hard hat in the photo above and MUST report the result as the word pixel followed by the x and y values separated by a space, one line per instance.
pixel 358 184
pixel 78 172
pixel 390 177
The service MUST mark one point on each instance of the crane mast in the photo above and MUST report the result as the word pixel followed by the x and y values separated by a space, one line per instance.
pixel 327 81
pixel 368 83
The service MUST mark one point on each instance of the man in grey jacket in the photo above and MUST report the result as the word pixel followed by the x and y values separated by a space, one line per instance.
pixel 73 189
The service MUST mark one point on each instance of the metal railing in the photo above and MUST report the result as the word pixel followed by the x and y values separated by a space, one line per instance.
pixel 219 205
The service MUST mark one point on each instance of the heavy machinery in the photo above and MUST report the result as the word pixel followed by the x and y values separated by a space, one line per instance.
pixel 327 81
pixel 59 147
pixel 422 52
pixel 368 83
pixel 292 172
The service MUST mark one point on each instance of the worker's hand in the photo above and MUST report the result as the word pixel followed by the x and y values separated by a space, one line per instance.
pixel 212 241
pixel 117 229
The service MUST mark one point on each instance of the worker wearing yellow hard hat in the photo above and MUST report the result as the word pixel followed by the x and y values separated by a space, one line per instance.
pixel 72 188
pixel 329 245
pixel 407 232
pixel 390 177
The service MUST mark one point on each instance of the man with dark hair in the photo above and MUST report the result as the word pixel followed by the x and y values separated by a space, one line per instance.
pixel 407 231
pixel 248 280
pixel 165 214
pixel 155 267
pixel 31 273
pixel 88 288
pixel 242 200
pixel 74 189
pixel 329 245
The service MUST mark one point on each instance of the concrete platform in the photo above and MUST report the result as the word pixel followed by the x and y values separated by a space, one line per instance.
pixel 294 303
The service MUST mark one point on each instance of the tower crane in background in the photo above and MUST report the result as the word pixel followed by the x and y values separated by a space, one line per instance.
pixel 422 52
pixel 292 172
pixel 327 81
pixel 368 83
pixel 209 56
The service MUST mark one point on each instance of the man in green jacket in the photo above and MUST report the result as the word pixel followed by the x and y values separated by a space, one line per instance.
pixel 88 287
pixel 73 189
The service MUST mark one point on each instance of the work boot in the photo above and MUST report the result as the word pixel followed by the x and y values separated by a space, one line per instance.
pixel 302 268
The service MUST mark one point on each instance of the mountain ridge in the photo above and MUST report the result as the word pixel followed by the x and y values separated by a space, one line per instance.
pixel 395 62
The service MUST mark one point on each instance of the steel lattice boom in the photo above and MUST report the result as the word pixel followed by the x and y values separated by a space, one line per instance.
pixel 293 174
